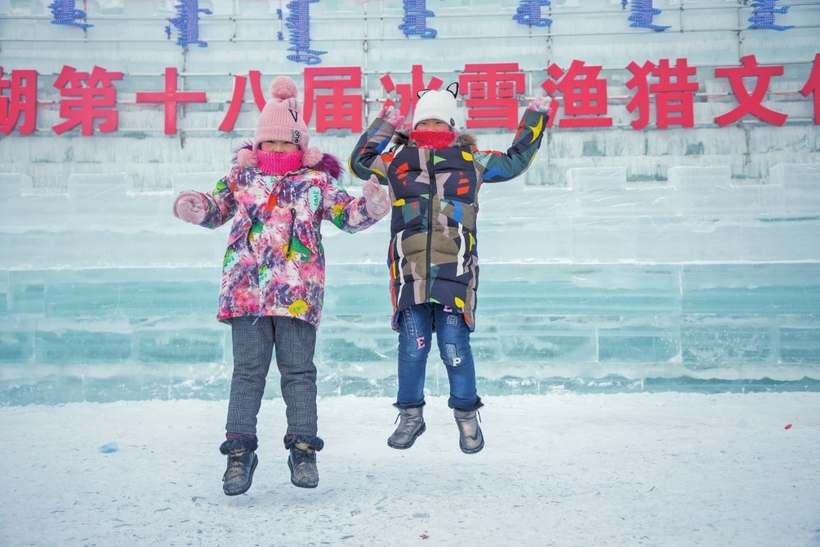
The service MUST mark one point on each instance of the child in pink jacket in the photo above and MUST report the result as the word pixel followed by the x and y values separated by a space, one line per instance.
pixel 273 275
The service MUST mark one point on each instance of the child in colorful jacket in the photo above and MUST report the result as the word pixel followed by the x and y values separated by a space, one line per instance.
pixel 273 275
pixel 434 175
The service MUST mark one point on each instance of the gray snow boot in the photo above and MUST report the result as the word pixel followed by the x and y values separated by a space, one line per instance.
pixel 302 461
pixel 471 439
pixel 242 462
pixel 411 426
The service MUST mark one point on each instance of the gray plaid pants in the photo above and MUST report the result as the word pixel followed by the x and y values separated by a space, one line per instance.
pixel 254 339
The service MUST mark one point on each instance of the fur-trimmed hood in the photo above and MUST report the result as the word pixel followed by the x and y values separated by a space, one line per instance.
pixel 402 138
pixel 244 156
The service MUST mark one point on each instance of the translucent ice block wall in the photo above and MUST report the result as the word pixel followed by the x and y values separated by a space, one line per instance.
pixel 623 259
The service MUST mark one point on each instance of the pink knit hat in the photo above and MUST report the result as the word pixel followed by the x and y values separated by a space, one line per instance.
pixel 281 120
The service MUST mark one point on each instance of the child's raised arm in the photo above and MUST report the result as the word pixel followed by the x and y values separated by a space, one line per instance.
pixel 352 215
pixel 499 167
pixel 368 157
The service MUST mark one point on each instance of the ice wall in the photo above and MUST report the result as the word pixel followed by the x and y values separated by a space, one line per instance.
pixel 106 296
pixel 622 260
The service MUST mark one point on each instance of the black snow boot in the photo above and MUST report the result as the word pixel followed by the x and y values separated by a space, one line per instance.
pixel 411 426
pixel 471 439
pixel 302 460
pixel 242 462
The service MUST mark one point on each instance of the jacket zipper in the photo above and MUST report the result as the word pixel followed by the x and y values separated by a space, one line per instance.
pixel 432 178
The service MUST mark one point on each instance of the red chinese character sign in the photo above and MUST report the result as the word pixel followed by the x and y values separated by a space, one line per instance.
pixel 170 98
pixel 673 92
pixel 87 98
pixel 21 100
pixel 335 108
pixel 813 87
pixel 492 94
pixel 238 97
pixel 750 102
pixel 585 94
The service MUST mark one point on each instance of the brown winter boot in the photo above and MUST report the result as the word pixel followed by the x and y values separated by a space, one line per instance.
pixel 471 439
pixel 411 426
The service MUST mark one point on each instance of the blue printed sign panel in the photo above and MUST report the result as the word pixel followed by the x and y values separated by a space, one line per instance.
pixel 298 21
pixel 643 13
pixel 65 13
pixel 764 13
pixel 414 22
pixel 529 13
pixel 187 23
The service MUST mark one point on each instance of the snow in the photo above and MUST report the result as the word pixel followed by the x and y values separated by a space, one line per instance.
pixel 563 469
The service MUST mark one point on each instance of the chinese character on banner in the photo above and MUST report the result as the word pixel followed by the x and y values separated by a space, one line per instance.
pixel 642 14
pixel 187 21
pixel 239 96
pixel 299 24
pixel 65 13
pixel 414 22
pixel 813 86
pixel 529 13
pixel 22 99
pixel 585 94
pixel 750 103
pixel 334 110
pixel 640 100
pixel 170 98
pixel 491 90
pixel 86 98
pixel 408 92
pixel 674 93
pixel 763 15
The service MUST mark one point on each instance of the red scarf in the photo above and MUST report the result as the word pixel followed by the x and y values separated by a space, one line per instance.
pixel 279 163
pixel 433 139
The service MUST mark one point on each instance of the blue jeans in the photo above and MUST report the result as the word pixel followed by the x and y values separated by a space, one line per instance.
pixel 453 336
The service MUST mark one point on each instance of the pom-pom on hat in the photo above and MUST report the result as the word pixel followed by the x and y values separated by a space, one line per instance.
pixel 281 120
pixel 437 105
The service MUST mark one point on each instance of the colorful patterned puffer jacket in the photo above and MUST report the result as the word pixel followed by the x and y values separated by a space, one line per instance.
pixel 432 255
pixel 275 263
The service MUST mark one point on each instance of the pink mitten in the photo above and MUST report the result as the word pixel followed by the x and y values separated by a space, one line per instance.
pixel 190 206
pixel 376 198
pixel 541 104
pixel 391 115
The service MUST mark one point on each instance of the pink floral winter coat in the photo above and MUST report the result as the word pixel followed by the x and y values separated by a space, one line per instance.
pixel 275 263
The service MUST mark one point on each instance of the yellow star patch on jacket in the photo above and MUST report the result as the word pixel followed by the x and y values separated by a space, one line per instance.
pixel 537 129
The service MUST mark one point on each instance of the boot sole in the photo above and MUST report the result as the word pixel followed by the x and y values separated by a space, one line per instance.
pixel 475 450
pixel 472 450
pixel 407 445
pixel 250 480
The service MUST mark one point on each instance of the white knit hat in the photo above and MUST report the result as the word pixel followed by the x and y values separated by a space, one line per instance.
pixel 437 105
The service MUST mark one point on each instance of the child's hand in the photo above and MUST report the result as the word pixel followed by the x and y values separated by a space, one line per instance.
pixel 376 197
pixel 391 115
pixel 190 207
pixel 541 104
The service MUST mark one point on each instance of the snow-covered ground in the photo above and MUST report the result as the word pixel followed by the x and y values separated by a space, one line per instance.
pixel 666 469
